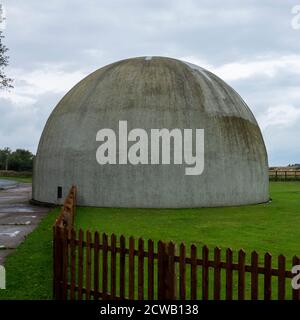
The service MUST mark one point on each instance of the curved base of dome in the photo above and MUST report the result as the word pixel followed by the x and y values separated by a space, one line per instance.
pixel 42 204
pixel 51 204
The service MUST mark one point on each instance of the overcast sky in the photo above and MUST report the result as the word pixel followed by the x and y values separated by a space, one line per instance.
pixel 250 44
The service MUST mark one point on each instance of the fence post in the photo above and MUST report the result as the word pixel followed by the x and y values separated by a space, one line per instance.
pixel 295 293
pixel 57 264
pixel 60 263
pixel 171 271
pixel 166 271
pixel 54 261
pixel 61 244
pixel 65 259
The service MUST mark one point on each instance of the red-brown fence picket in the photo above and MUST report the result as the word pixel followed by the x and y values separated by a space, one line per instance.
pixel 96 266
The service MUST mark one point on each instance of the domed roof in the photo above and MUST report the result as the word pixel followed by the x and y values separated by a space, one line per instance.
pixel 152 93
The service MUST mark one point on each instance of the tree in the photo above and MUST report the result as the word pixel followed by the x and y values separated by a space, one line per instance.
pixel 5 82
pixel 4 158
pixel 19 160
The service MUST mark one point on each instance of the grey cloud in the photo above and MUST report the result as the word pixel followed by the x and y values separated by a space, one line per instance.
pixel 85 35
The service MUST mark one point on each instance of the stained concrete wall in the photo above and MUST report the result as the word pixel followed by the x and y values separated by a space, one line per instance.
pixel 152 93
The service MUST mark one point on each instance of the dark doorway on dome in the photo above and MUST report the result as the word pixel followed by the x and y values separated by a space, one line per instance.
pixel 59 192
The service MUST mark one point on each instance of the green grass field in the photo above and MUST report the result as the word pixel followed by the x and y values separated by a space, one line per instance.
pixel 23 179
pixel 29 268
pixel 265 227
pixel 269 227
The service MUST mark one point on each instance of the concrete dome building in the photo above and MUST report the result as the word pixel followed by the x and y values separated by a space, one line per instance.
pixel 100 138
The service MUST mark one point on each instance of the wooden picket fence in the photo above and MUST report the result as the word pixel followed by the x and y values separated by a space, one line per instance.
pixel 284 175
pixel 68 211
pixel 95 266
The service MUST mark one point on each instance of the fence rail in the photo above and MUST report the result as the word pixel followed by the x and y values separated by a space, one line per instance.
pixel 95 266
pixel 284 175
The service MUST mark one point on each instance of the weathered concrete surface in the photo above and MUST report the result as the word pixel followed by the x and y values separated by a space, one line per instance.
pixel 17 217
pixel 152 93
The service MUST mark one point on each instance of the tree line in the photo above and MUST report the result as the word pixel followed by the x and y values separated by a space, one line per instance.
pixel 18 160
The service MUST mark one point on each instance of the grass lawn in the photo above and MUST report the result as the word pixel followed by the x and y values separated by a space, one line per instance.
pixel 23 179
pixel 269 227
pixel 29 267
pixel 266 227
